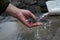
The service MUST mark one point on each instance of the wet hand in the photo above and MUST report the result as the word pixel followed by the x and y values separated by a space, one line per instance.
pixel 23 15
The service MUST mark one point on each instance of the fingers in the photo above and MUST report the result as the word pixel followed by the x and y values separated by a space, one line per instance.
pixel 27 23
pixel 36 24
pixel 32 15
pixel 28 13
pixel 23 20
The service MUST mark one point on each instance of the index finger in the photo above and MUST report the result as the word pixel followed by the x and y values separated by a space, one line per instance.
pixel 32 15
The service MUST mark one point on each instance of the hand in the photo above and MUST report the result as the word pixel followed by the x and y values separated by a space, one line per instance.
pixel 23 15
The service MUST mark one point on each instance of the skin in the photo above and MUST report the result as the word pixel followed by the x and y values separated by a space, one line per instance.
pixel 21 15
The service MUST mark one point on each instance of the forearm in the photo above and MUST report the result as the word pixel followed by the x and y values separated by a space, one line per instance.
pixel 6 6
pixel 12 10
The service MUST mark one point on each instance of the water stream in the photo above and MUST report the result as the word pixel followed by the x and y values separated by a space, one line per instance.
pixel 42 16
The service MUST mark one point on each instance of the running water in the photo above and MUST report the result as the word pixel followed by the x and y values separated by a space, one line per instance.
pixel 38 19
pixel 43 29
pixel 41 17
